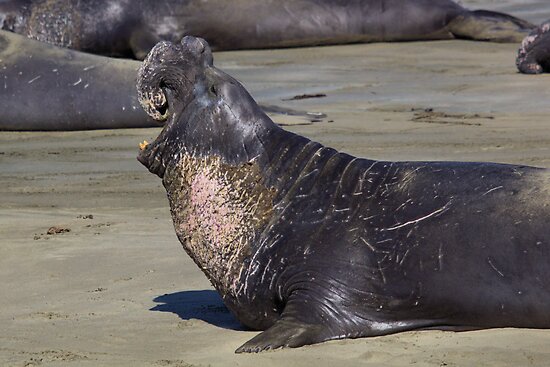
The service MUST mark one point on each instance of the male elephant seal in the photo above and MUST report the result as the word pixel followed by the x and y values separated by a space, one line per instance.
pixel 534 53
pixel 310 244
pixel 125 28
pixel 44 87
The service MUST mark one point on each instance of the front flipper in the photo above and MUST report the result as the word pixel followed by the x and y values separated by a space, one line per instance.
pixel 303 321
pixel 484 25
pixel 286 332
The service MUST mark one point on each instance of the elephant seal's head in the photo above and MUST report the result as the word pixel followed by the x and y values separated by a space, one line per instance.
pixel 205 112
pixel 208 157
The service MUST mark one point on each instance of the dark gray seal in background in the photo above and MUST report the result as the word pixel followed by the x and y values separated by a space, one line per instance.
pixel 131 28
pixel 534 53
pixel 310 244
pixel 44 87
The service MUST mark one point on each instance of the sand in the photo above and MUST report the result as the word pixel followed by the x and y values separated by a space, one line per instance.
pixel 118 290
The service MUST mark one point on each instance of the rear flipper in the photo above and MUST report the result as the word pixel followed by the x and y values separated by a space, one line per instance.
pixel 484 25
pixel 534 53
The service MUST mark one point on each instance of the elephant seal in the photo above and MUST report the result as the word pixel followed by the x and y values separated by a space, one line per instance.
pixel 49 88
pixel 44 87
pixel 311 244
pixel 534 53
pixel 131 28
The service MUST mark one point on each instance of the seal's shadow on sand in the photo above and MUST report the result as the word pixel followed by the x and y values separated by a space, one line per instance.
pixel 205 305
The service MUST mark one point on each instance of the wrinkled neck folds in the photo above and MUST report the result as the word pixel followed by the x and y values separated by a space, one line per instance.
pixel 218 197
pixel 224 180
pixel 218 210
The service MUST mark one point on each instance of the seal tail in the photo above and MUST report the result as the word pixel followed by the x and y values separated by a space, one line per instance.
pixel 485 25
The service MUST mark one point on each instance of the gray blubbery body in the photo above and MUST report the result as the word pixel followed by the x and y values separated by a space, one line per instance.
pixel 44 87
pixel 125 27
pixel 311 244
pixel 49 88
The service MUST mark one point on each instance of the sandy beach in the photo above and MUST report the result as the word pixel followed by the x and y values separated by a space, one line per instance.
pixel 115 288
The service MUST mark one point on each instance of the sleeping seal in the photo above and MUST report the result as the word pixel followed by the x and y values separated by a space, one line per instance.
pixel 310 244
pixel 44 87
pixel 131 28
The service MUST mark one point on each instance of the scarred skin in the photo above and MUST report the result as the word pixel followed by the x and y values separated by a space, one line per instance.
pixel 132 28
pixel 534 53
pixel 44 87
pixel 310 244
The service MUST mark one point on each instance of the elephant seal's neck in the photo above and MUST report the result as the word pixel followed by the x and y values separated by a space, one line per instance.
pixel 220 209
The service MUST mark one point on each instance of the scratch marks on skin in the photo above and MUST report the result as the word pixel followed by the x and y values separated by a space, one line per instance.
pixel 440 256
pixel 342 210
pixel 371 247
pixel 253 265
pixel 401 260
pixel 217 209
pixel 408 177
pixel 314 171
pixel 364 177
pixel 246 129
pixel 381 271
pixel 437 212
pixel 493 189
pixel 344 172
pixel 265 270
pixel 34 79
pixel 403 205
pixel 369 217
pixel 490 262
pixel 517 172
